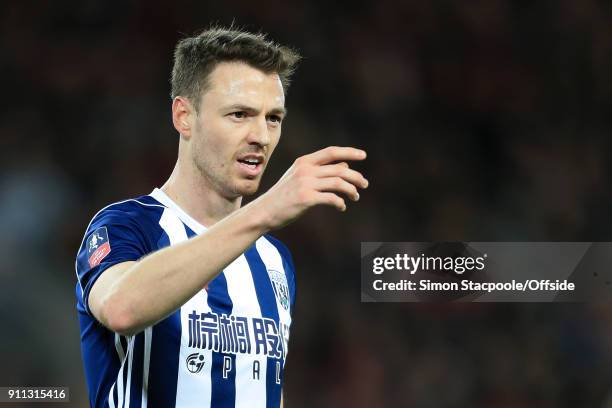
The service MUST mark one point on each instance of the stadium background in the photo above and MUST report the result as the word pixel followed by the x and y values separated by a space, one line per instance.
pixel 483 120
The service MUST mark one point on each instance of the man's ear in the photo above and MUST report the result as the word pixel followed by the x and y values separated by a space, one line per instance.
pixel 183 116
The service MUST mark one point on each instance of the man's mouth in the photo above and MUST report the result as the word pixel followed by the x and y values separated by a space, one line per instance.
pixel 251 164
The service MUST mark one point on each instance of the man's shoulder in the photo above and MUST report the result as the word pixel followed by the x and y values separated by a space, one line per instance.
pixel 136 208
pixel 134 220
pixel 139 211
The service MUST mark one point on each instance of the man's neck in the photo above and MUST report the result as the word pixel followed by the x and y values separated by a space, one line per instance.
pixel 197 197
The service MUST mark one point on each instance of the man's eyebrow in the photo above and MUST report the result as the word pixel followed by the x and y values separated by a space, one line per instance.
pixel 278 111
pixel 273 111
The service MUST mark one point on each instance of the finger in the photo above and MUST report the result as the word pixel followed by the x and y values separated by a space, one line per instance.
pixel 342 170
pixel 335 153
pixel 331 199
pixel 337 185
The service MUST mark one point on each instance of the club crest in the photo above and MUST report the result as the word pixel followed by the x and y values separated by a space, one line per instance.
pixel 279 284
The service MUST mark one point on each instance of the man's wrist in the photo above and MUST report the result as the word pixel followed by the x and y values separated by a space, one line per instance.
pixel 258 216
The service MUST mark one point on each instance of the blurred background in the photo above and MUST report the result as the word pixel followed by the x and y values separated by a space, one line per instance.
pixel 484 120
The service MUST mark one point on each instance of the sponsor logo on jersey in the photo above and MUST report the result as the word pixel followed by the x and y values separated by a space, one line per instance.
pixel 98 246
pixel 237 334
pixel 195 363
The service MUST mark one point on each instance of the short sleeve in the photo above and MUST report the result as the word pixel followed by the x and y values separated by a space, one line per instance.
pixel 113 237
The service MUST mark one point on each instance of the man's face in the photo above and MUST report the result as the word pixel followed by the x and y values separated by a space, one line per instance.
pixel 237 128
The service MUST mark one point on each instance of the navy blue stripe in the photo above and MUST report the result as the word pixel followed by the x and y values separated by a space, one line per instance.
pixel 164 357
pixel 164 361
pixel 267 304
pixel 124 345
pixel 223 393
pixel 223 390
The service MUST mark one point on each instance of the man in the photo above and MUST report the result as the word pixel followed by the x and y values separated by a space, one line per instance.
pixel 183 298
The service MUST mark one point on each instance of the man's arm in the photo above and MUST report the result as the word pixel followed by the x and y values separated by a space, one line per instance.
pixel 130 296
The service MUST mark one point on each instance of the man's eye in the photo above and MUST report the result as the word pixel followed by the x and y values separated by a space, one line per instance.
pixel 239 114
pixel 274 118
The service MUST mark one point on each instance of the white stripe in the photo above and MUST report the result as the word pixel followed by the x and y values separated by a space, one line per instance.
pixel 173 226
pixel 119 347
pixel 121 387
pixel 163 198
pixel 128 386
pixel 119 383
pixel 193 390
pixel 145 369
pixel 89 225
pixel 273 260
pixel 111 399
pixel 241 289
pixel 121 355
pixel 189 384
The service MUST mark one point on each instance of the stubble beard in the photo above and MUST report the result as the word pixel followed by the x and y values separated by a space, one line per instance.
pixel 224 183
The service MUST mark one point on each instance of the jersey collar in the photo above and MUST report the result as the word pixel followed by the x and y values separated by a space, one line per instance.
pixel 166 201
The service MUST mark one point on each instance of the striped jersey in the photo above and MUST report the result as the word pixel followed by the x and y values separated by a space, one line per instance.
pixel 225 347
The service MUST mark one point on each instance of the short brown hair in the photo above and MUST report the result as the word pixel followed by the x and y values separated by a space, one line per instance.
pixel 196 57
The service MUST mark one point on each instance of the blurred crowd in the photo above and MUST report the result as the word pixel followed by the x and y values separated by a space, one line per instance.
pixel 484 120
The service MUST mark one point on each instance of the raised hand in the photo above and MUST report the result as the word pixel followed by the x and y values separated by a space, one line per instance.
pixel 320 178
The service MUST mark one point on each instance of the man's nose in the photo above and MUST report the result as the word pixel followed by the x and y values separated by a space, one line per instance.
pixel 259 132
